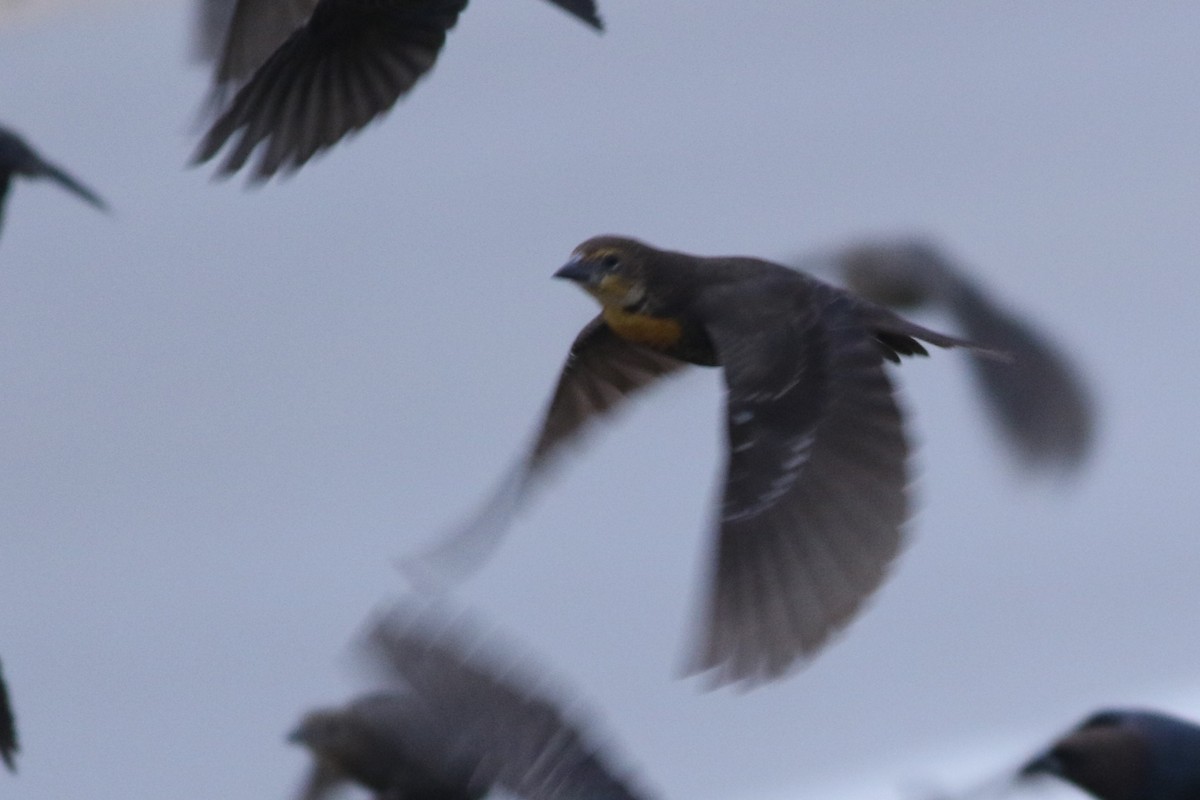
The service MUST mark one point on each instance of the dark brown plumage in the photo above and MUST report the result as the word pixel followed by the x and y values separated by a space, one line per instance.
pixel 8 728
pixel 19 159
pixel 309 72
pixel 815 478
pixel 1039 402
pixel 457 720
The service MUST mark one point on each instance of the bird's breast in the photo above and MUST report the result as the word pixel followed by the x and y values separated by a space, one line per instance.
pixel 660 333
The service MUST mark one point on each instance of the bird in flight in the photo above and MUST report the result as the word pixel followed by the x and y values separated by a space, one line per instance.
pixel 1039 402
pixel 18 159
pixel 308 72
pixel 457 720
pixel 815 483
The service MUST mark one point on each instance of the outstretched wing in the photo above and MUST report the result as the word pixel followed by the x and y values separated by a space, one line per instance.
pixel 1036 397
pixel 1039 400
pixel 8 728
pixel 67 181
pixel 346 66
pixel 18 158
pixel 584 9
pixel 815 479
pixel 497 724
pixel 904 274
pixel 601 371
pixel 247 32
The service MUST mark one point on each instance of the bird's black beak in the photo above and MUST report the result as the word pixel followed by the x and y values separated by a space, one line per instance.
pixel 298 736
pixel 1045 764
pixel 578 270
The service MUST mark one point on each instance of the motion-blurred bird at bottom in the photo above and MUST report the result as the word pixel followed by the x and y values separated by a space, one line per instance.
pixel 17 158
pixel 458 720
pixel 1039 401
pixel 309 72
pixel 815 489
pixel 8 727
pixel 1126 755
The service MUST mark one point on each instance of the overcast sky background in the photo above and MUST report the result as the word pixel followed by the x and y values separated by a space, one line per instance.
pixel 225 412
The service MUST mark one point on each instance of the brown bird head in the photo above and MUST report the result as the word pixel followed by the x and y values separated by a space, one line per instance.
pixel 614 270
pixel 1108 756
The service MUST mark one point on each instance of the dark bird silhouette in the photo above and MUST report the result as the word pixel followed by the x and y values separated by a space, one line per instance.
pixel 8 727
pixel 815 477
pixel 457 721
pixel 315 71
pixel 1039 402
pixel 17 158
pixel 1126 755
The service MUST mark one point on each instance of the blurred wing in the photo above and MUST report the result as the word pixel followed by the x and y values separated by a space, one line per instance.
pixel 18 158
pixel 60 176
pixel 495 723
pixel 1038 400
pixel 1036 397
pixel 584 9
pixel 346 66
pixel 8 728
pixel 903 274
pixel 252 30
pixel 600 372
pixel 815 480
pixel 602 369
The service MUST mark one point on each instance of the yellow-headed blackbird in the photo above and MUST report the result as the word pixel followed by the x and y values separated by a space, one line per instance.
pixel 815 479
pixel 1039 402
pixel 18 158
pixel 316 70
pixel 8 728
pixel 455 721
pixel 1126 754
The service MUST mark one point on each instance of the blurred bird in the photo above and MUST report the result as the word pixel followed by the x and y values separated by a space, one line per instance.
pixel 18 158
pixel 457 721
pixel 1039 402
pixel 815 476
pixel 8 727
pixel 1126 755
pixel 316 70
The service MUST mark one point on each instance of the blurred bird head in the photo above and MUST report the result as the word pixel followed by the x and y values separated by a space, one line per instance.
pixel 613 270
pixel 1126 755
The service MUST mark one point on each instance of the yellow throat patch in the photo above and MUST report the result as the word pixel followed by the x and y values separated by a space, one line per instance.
pixel 661 333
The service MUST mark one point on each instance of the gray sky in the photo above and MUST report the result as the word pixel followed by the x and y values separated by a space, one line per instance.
pixel 226 412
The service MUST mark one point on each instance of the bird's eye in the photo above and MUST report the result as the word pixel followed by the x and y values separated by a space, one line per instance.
pixel 610 261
